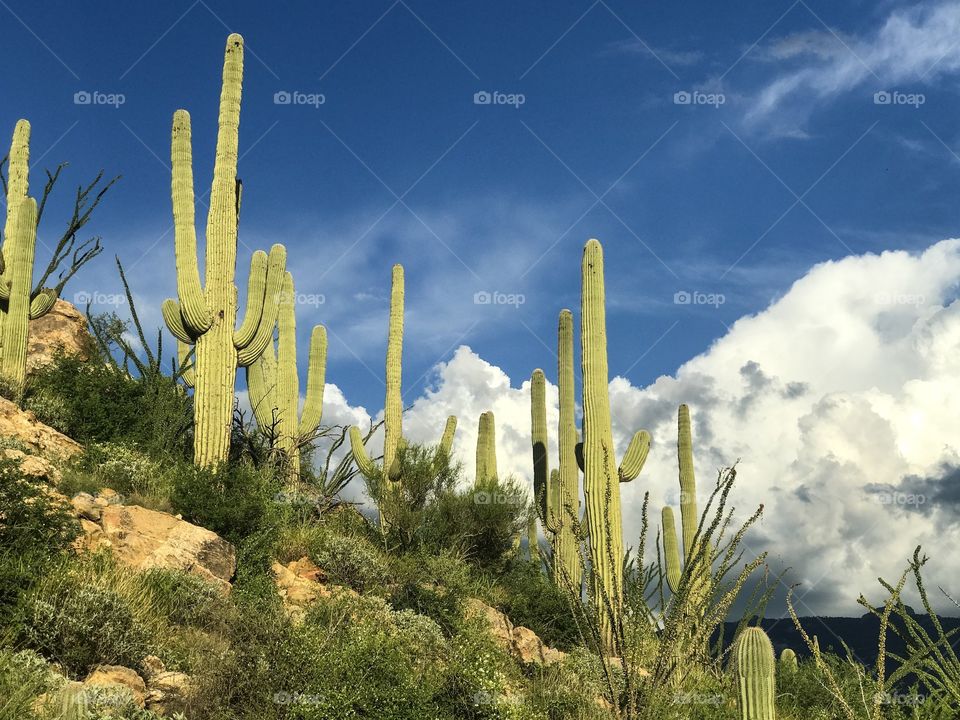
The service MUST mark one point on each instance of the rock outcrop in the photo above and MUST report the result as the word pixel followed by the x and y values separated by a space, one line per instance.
pixel 144 539
pixel 63 328
pixel 35 437
pixel 523 643
pixel 168 692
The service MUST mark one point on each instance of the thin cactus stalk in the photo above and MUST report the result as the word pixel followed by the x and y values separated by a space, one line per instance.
pixel 393 439
pixel 753 665
pixel 18 303
pixel 602 477
pixel 542 490
pixel 206 315
pixel 565 493
pixel 274 383
pixel 486 449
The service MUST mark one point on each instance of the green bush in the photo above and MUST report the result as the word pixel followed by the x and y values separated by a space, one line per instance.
pixel 349 560
pixel 530 598
pixel 127 470
pixel 185 599
pixel 432 585
pixel 31 516
pixel 23 676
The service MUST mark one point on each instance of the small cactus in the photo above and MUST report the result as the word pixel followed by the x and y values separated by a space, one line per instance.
pixel 753 665
pixel 486 449
pixel 788 662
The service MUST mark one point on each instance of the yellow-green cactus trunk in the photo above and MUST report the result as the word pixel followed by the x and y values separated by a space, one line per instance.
pixel 393 402
pixel 567 492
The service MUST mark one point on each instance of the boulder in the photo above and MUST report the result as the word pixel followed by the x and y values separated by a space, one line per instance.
pixel 120 678
pixel 523 643
pixel 145 539
pixel 64 327
pixel 301 583
pixel 35 437
pixel 168 692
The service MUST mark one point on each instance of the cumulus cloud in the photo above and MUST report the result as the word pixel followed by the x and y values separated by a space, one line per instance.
pixel 839 399
pixel 913 45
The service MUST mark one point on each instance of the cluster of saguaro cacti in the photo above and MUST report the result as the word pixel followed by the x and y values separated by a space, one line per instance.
pixel 18 303
pixel 689 518
pixel 601 476
pixel 558 491
pixel 205 315
pixel 393 404
pixel 486 449
pixel 274 383
pixel 753 665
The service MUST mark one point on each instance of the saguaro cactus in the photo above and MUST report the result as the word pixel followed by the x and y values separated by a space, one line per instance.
pixel 486 449
pixel 601 477
pixel 788 661
pixel 754 669
pixel 274 383
pixel 393 403
pixel 19 302
pixel 206 315
pixel 690 518
pixel 567 490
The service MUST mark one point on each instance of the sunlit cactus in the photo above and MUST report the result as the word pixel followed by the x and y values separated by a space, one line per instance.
pixel 788 662
pixel 753 665
pixel 206 315
pixel 565 492
pixel 393 403
pixel 274 383
pixel 486 449
pixel 601 476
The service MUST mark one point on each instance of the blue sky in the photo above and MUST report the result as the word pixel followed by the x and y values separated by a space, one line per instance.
pixel 502 197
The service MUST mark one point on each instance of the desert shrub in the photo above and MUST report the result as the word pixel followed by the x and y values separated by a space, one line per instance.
pixel 127 470
pixel 532 599
pixel 32 517
pixel 349 560
pixel 432 585
pixel 94 401
pixel 88 612
pixel 23 676
pixel 182 598
pixel 568 690
pixel 233 501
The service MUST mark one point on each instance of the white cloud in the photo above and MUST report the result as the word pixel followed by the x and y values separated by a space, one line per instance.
pixel 845 387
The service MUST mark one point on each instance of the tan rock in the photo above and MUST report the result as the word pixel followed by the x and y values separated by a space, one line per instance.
pixel 169 692
pixel 34 466
pixel 63 327
pixel 152 665
pixel 523 643
pixel 122 678
pixel 86 507
pixel 301 583
pixel 145 539
pixel 38 439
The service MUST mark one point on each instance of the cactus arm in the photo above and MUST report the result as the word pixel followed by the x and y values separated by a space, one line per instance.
pixel 256 290
pixel 538 435
pixel 393 403
pixel 449 431
pixel 170 310
pixel 316 379
pixel 196 313
pixel 671 550
pixel 689 517
pixel 189 375
pixel 635 456
pixel 262 388
pixel 276 271
pixel 43 303
pixel 365 465
pixel 18 184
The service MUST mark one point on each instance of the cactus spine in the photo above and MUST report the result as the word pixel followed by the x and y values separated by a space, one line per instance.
pixel 486 449
pixel 18 304
pixel 754 670
pixel 274 383
pixel 393 403
pixel 788 662
pixel 601 477
pixel 206 315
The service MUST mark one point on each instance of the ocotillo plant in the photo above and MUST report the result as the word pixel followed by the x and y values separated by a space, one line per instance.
pixel 486 449
pixel 20 301
pixel 753 665
pixel 206 315
pixel 601 477
pixel 393 403
pixel 274 383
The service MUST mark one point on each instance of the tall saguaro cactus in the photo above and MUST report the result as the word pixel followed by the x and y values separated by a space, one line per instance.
pixel 206 315
pixel 601 476
pixel 19 302
pixel 274 383
pixel 567 490
pixel 753 665
pixel 393 403
pixel 486 449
